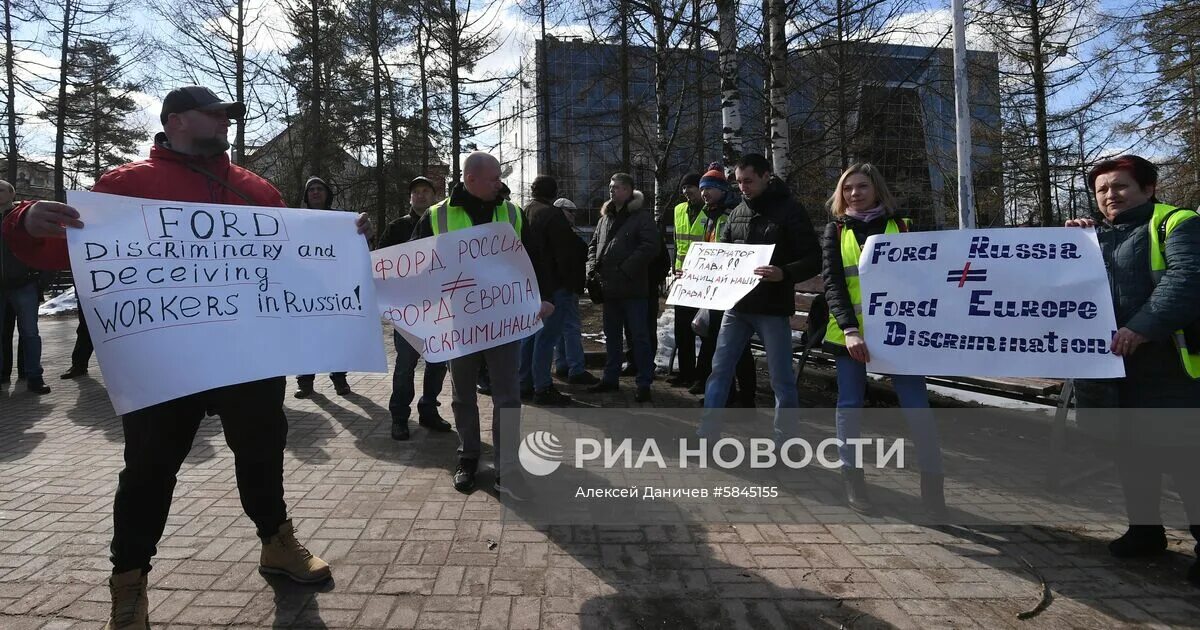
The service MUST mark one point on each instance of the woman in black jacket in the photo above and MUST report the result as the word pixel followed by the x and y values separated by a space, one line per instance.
pixel 862 206
pixel 1152 254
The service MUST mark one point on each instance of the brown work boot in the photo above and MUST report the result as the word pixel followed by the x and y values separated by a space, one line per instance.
pixel 130 607
pixel 282 554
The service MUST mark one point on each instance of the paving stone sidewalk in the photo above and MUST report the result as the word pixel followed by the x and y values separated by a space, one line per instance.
pixel 410 552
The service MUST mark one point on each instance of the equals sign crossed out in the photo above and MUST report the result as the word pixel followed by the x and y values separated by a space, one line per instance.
pixel 966 274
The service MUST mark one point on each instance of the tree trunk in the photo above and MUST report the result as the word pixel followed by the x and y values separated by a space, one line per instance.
pixel 662 141
pixel 699 54
pixel 842 114
pixel 60 108
pixel 731 98
pixel 422 55
pixel 1193 63
pixel 397 162
pixel 314 133
pixel 780 140
pixel 377 93
pixel 623 7
pixel 97 169
pixel 766 89
pixel 455 114
pixel 543 85
pixel 9 62
pixel 1042 136
pixel 239 82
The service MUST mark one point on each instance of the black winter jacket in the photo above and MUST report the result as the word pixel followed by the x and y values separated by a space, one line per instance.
pixel 833 272
pixel 13 273
pixel 622 254
pixel 775 217
pixel 1154 376
pixel 399 231
pixel 559 256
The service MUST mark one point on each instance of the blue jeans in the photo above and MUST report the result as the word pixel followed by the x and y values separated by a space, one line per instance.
pixel 403 389
pixel 24 301
pixel 537 352
pixel 914 400
pixel 776 334
pixel 568 352
pixel 619 314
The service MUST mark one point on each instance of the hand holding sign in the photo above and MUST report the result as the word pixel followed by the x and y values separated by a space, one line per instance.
pixel 48 219
pixel 770 273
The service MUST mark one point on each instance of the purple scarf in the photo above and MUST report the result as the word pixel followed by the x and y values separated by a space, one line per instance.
pixel 868 216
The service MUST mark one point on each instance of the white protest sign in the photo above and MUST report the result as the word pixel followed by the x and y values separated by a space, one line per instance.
pixel 717 275
pixel 460 292
pixel 183 297
pixel 1004 302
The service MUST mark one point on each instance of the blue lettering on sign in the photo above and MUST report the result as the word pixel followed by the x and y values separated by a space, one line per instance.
pixel 982 247
pixel 901 308
pixel 1048 309
pixel 910 253
pixel 899 334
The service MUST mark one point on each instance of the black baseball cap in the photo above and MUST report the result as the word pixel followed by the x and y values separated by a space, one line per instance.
pixel 421 181
pixel 198 97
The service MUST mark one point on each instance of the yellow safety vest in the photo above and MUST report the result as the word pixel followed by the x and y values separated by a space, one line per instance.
pixel 686 233
pixel 1164 220
pixel 444 217
pixel 851 251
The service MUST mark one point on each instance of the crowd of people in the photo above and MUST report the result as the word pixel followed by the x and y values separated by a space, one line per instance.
pixel 1152 251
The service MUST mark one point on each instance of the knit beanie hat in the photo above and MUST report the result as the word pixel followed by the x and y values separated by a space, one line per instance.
pixel 544 187
pixel 714 178
pixel 691 179
pixel 320 182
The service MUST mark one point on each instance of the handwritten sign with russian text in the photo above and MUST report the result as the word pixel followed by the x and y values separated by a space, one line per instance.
pixel 1028 302
pixel 460 292
pixel 717 275
pixel 181 297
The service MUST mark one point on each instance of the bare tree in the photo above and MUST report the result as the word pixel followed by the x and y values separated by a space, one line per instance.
pixel 731 99
pixel 214 43
pixel 67 23
pixel 780 137
pixel 1047 47
pixel 466 32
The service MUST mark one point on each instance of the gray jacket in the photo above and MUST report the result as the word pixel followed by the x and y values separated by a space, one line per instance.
pixel 1154 376
pixel 622 256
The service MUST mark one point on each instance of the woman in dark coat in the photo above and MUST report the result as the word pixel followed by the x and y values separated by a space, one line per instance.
pixel 862 207
pixel 1152 253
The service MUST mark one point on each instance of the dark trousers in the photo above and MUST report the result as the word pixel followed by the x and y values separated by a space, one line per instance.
pixel 745 384
pixel 685 341
pixel 1141 469
pixel 82 353
pixel 651 328
pixel 158 439
pixel 9 331
pixel 307 380
pixel 628 315
pixel 403 389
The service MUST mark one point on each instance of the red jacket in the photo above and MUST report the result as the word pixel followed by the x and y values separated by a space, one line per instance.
pixel 164 176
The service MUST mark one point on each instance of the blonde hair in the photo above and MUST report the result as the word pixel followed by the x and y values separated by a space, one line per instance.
pixel 883 196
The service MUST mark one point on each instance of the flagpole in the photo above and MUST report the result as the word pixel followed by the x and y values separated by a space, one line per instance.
pixel 962 120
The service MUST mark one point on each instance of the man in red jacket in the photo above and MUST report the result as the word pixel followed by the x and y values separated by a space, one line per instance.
pixel 187 163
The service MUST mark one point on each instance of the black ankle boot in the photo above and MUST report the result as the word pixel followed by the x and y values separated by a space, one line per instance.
pixel 933 496
pixel 856 490
pixel 1140 541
